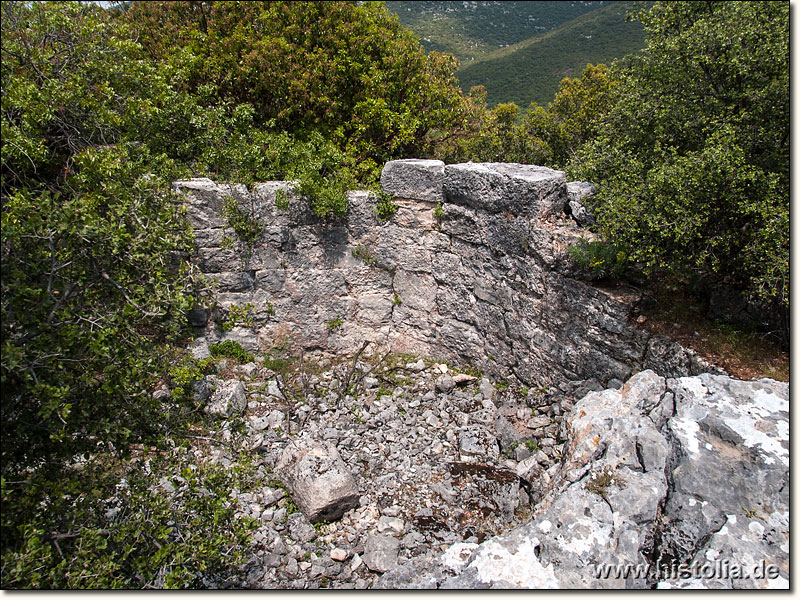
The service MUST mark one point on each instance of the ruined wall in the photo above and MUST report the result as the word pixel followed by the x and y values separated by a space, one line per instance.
pixel 485 281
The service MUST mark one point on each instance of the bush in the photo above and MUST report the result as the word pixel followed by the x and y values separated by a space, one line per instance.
pixel 231 349
pixel 106 526
pixel 601 259
pixel 385 207
pixel 692 161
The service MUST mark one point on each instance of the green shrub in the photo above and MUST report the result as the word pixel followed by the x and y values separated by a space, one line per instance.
pixel 105 526
pixel 691 162
pixel 231 349
pixel 183 375
pixel 335 324
pixel 247 229
pixel 385 207
pixel 601 259
pixel 242 316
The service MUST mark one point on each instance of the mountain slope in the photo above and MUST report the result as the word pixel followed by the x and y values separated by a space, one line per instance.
pixel 472 30
pixel 531 70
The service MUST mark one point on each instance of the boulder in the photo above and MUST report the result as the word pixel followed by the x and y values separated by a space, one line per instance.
pixel 199 348
pixel 318 479
pixel 228 399
pixel 666 482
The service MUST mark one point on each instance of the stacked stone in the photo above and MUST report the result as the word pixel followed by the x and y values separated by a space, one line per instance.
pixel 472 267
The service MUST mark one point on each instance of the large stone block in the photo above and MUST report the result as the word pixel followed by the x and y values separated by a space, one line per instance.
pixel 506 187
pixel 318 479
pixel 415 179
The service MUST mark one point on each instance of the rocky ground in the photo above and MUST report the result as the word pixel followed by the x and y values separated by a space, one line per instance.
pixel 418 455
pixel 394 471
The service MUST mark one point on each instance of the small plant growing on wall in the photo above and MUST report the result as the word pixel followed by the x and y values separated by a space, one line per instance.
pixel 363 253
pixel 335 324
pixel 246 228
pixel 239 316
pixel 438 214
pixel 281 200
pixel 384 207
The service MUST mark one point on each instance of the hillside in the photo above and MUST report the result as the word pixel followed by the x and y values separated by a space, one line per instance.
pixel 520 51
pixel 531 70
pixel 473 30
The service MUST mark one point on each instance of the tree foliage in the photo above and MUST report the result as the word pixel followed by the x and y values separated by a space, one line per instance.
pixel 545 135
pixel 692 160
pixel 93 282
pixel 347 71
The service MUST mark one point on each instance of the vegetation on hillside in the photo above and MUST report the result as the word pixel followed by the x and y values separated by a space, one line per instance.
pixel 692 158
pixel 687 143
pixel 531 70
pixel 472 30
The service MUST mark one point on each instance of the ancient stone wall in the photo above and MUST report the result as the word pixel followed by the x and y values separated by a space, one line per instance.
pixel 472 267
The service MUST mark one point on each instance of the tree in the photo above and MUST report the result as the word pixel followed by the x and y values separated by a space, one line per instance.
pixel 93 283
pixel 347 71
pixel 692 161
pixel 552 135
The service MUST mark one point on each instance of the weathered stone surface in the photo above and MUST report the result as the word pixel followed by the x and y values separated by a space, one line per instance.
pixel 706 487
pixel 199 349
pixel 380 552
pixel 489 284
pixel 477 444
pixel 228 399
pixel 445 383
pixel 318 479
pixel 414 179
pixel 498 187
pixel 576 192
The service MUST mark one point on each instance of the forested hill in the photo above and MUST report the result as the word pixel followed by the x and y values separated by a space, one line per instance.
pixel 472 30
pixel 520 51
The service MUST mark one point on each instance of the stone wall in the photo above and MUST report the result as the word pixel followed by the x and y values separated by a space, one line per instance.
pixel 484 280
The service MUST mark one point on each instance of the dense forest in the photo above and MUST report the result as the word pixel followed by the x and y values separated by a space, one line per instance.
pixel 687 143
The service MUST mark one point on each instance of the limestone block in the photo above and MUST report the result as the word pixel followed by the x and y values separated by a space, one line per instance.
pixel 203 201
pixel 236 281
pixel 518 189
pixel 318 479
pixel 415 179
pixel 228 399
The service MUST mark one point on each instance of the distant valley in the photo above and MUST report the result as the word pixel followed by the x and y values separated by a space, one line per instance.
pixel 520 51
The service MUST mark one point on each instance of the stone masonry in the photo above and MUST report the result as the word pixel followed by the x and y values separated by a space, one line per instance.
pixel 471 268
